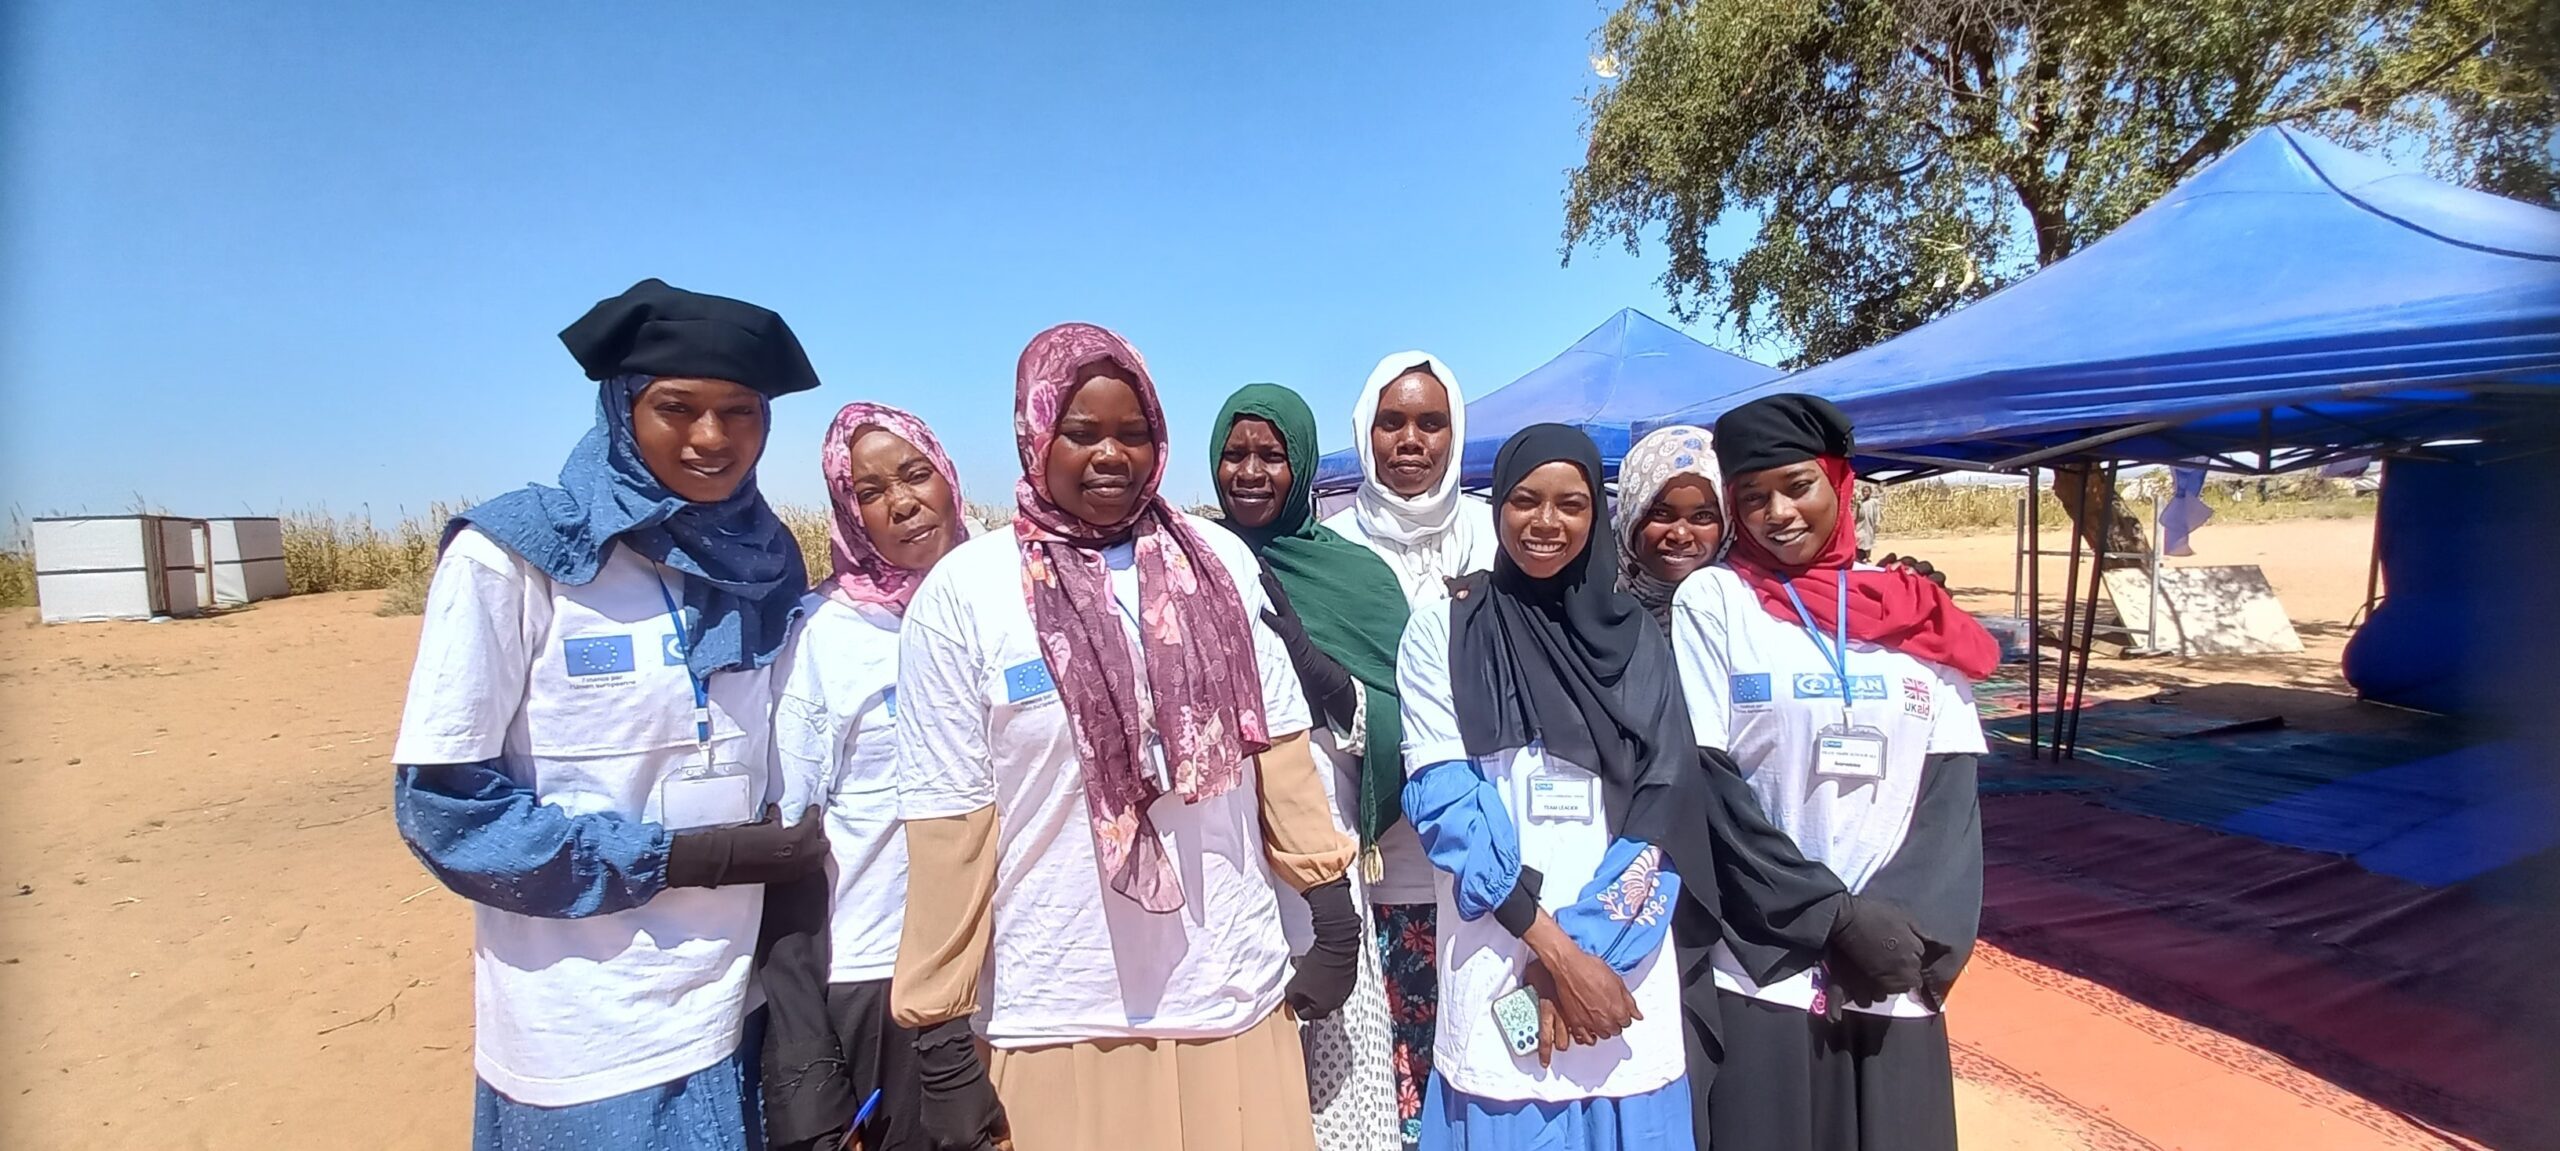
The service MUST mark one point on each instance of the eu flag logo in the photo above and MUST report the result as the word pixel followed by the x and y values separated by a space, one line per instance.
pixel 1025 680
pixel 597 655
pixel 1750 687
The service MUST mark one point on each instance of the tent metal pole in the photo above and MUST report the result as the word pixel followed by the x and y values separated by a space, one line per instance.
pixel 2075 447
pixel 2070 616
pixel 2373 564
pixel 2018 563
pixel 2152 561
pixel 2035 614
pixel 2089 613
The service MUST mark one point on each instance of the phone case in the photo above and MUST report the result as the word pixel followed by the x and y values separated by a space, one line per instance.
pixel 1517 1014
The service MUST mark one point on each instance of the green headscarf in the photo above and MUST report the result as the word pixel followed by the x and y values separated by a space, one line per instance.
pixel 1347 597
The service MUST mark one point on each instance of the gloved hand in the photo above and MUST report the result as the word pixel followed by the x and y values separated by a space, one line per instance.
pixel 1326 973
pixel 958 1108
pixel 1875 951
pixel 1331 691
pixel 761 852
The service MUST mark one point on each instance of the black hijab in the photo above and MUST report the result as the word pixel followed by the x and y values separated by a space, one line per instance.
pixel 1575 663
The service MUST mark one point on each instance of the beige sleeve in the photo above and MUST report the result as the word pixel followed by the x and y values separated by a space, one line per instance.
pixel 951 885
pixel 1298 834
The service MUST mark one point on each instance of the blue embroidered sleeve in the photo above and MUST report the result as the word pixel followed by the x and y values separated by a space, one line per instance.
pixel 1467 832
pixel 489 840
pixel 1626 908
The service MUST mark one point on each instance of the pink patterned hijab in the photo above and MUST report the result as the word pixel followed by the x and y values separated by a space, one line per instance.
pixel 1202 699
pixel 862 575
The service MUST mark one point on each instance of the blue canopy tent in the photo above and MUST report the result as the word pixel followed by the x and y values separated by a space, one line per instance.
pixel 1629 367
pixel 2293 302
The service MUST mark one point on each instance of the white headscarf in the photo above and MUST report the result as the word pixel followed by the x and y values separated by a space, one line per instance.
pixel 1428 538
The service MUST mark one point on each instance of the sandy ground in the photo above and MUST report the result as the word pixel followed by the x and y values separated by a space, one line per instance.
pixel 211 936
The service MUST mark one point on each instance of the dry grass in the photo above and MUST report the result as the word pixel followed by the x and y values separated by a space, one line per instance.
pixel 17 578
pixel 1934 507
pixel 329 553
pixel 325 552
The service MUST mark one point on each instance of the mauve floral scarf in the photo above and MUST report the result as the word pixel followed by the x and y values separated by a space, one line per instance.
pixel 861 574
pixel 1203 692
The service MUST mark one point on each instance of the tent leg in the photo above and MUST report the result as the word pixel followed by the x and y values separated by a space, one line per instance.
pixel 2035 615
pixel 2372 572
pixel 2089 615
pixel 2070 617
pixel 2018 563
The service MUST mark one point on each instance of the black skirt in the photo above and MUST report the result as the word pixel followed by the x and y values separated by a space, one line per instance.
pixel 1792 1081
pixel 876 1055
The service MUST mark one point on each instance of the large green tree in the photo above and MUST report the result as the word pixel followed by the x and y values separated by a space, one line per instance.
pixel 1900 157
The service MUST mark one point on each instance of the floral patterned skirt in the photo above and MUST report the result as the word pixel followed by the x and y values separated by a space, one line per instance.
pixel 1408 949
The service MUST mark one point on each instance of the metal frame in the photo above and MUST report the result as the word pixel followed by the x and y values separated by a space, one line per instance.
pixel 2388 435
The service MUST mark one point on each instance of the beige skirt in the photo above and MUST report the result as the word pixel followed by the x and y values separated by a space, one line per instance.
pixel 1244 1093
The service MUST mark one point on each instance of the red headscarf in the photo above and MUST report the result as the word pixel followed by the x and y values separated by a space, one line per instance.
pixel 1892 608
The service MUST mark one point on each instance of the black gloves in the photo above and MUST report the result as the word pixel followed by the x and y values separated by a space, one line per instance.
pixel 1875 951
pixel 1331 692
pixel 1329 968
pixel 958 1109
pixel 761 852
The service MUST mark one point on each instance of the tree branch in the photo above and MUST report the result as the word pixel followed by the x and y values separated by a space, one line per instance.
pixel 2352 101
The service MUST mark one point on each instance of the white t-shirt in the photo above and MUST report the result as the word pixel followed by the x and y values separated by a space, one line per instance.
pixel 1408 873
pixel 583 694
pixel 1759 689
pixel 831 740
pixel 1480 961
pixel 980 722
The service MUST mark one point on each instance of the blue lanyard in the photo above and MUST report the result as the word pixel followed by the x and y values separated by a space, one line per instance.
pixel 1837 656
pixel 701 684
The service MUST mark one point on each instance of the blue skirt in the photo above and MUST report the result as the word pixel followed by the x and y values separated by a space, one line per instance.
pixel 719 1108
pixel 1654 1121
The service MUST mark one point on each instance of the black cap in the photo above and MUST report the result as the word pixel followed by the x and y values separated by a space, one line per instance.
pixel 657 330
pixel 1774 431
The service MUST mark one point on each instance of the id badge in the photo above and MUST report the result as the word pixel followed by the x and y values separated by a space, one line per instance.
pixel 1560 798
pixel 718 793
pixel 1845 752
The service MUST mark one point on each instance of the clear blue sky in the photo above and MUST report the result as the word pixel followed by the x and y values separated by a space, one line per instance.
pixel 269 256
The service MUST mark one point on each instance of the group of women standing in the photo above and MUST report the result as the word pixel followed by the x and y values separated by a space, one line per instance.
pixel 1442 822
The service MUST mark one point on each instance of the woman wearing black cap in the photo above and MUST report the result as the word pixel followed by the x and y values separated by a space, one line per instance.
pixel 1835 700
pixel 583 753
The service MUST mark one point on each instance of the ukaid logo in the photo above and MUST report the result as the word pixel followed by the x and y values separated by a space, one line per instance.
pixel 1823 685
pixel 1750 689
pixel 1915 698
pixel 597 655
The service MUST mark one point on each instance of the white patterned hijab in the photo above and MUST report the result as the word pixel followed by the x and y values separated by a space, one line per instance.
pixel 1661 457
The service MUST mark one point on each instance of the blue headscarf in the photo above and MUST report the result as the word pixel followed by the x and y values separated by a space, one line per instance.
pixel 743 576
